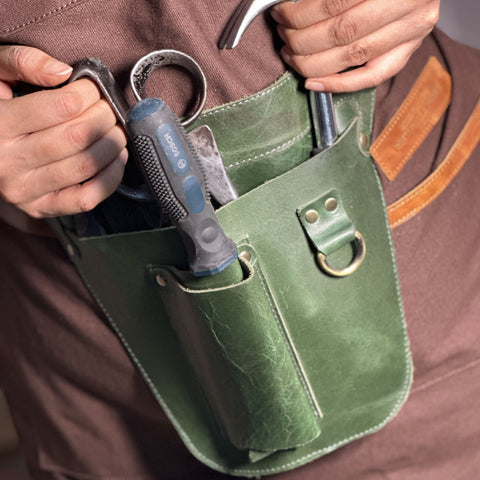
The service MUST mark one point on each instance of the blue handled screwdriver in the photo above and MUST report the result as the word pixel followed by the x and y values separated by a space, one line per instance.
pixel 174 174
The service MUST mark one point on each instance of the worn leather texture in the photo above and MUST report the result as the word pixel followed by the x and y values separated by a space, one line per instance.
pixel 274 363
pixel 259 138
pixel 238 344
pixel 421 110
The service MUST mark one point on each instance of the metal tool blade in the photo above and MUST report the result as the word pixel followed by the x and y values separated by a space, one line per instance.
pixel 219 184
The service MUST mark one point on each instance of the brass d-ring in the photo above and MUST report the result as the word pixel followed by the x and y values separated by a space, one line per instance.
pixel 360 251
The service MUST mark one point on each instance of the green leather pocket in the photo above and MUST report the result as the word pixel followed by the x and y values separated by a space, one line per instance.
pixel 239 346
pixel 202 346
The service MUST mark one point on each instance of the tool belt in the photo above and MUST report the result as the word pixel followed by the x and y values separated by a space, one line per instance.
pixel 299 348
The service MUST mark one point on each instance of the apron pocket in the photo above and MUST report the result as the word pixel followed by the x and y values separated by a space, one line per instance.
pixel 238 345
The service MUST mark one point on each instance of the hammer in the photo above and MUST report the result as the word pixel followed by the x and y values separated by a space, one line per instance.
pixel 321 103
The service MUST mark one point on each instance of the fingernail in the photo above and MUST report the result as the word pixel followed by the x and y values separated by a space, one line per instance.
pixel 54 67
pixel 314 85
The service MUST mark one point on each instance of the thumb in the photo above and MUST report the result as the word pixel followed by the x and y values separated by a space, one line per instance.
pixel 30 65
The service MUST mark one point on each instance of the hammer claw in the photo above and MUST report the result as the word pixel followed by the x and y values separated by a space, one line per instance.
pixel 243 16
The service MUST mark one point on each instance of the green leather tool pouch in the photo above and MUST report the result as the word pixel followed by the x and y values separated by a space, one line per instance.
pixel 276 361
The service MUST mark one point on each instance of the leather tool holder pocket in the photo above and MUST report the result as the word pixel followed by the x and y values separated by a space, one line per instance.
pixel 276 361
pixel 237 343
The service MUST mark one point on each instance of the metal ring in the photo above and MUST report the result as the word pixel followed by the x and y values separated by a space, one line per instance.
pixel 360 251
pixel 159 58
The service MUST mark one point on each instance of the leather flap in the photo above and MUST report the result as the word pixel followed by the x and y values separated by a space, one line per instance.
pixel 326 223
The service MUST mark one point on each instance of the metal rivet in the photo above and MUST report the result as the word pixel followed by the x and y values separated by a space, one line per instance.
pixel 245 255
pixel 363 140
pixel 311 216
pixel 161 282
pixel 70 250
pixel 331 204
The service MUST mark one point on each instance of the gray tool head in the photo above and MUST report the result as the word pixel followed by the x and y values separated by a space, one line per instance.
pixel 219 184
pixel 243 16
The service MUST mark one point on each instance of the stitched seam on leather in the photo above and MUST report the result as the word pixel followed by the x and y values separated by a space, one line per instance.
pixel 446 376
pixel 406 384
pixel 431 179
pixel 417 90
pixel 41 17
pixel 276 149
pixel 449 160
pixel 406 341
pixel 256 96
pixel 407 353
pixel 145 375
pixel 355 105
pixel 185 437
pixel 223 467
pixel 289 344
pixel 398 117
pixel 372 116
pixel 361 122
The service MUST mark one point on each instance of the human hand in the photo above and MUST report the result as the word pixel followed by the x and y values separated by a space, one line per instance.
pixel 323 38
pixel 61 151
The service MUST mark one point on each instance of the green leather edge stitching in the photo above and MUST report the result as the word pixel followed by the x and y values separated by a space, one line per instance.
pixel 300 461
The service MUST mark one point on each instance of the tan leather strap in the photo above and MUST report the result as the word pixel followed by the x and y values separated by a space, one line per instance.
pixel 425 193
pixel 414 120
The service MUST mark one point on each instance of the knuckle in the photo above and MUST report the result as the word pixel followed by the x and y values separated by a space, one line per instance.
pixel 426 14
pixel 20 57
pixel 293 41
pixel 355 54
pixel 47 149
pixel 13 193
pixel 294 17
pixel 343 31
pixel 68 104
pixel 431 17
pixel 34 212
pixel 87 167
pixel 86 204
pixel 79 135
pixel 377 77
pixel 332 8
pixel 304 66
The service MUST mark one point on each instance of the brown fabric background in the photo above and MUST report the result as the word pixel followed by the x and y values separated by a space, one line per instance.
pixel 82 409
